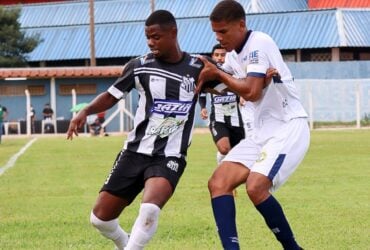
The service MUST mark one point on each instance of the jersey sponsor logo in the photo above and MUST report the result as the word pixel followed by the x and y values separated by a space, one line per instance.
pixel 253 57
pixel 168 107
pixel 224 99
pixel 188 83
pixel 157 79
pixel 165 127
pixel 173 165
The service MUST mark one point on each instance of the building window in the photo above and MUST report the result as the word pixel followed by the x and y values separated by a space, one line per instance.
pixel 19 90
pixel 36 89
pixel 81 89
pixel 289 58
pixel 320 57
pixel 364 56
pixel 346 56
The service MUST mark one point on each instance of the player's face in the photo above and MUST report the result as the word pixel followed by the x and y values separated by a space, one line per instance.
pixel 160 39
pixel 219 55
pixel 229 34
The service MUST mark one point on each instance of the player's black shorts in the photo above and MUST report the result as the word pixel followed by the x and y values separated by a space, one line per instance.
pixel 130 171
pixel 219 130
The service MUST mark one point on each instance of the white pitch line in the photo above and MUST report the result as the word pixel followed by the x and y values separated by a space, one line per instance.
pixel 14 158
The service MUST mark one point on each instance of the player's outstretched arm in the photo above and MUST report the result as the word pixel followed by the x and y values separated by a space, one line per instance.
pixel 101 103
pixel 250 88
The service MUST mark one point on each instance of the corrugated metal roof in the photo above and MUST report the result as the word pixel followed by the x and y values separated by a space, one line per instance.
pixel 291 30
pixel 322 4
pixel 113 11
pixel 298 29
pixel 357 28
pixel 275 6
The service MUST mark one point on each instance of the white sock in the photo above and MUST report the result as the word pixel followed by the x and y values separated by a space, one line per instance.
pixel 220 157
pixel 145 226
pixel 111 230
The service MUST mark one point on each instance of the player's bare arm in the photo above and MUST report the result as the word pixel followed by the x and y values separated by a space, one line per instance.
pixel 249 88
pixel 101 103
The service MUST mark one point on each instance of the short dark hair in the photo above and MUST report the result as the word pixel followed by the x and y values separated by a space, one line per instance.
pixel 217 46
pixel 162 18
pixel 227 10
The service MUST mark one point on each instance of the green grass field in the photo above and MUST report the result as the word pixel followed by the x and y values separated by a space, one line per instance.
pixel 46 198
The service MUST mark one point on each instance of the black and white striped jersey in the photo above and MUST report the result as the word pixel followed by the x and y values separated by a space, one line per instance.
pixel 164 119
pixel 224 108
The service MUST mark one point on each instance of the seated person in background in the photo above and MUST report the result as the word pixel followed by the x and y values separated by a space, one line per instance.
pixel 47 112
pixel 48 116
pixel 3 117
pixel 94 124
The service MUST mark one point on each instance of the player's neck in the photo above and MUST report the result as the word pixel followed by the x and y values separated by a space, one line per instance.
pixel 175 55
pixel 243 41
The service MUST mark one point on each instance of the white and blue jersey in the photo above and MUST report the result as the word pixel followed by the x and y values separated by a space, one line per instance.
pixel 164 119
pixel 280 99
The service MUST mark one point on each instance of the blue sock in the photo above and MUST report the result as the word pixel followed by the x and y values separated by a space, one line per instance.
pixel 224 213
pixel 276 221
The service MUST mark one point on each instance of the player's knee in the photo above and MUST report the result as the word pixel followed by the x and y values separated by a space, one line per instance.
pixel 101 225
pixel 217 186
pixel 257 193
pixel 223 148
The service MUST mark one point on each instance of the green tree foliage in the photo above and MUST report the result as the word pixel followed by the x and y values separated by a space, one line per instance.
pixel 14 44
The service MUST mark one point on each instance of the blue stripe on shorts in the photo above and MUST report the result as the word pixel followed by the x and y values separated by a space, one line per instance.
pixel 277 165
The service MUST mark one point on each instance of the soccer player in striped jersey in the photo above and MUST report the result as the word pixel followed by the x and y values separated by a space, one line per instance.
pixel 225 119
pixel 153 157
pixel 281 135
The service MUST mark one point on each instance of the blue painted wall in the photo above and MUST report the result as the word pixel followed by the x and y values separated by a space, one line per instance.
pixel 307 70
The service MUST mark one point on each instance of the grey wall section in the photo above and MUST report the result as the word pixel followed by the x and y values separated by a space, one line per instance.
pixel 330 70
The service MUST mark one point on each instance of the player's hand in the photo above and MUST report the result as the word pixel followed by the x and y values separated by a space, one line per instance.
pixel 270 73
pixel 242 101
pixel 77 122
pixel 208 73
pixel 204 114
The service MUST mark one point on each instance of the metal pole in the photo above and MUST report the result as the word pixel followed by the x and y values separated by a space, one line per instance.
pixel 92 34
pixel 310 106
pixel 152 5
pixel 358 106
pixel 28 109
pixel 74 100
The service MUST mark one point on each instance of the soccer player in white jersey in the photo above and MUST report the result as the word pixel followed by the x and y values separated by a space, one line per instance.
pixel 154 155
pixel 281 134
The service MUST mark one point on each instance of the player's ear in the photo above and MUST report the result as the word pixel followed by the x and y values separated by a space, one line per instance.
pixel 173 32
pixel 242 24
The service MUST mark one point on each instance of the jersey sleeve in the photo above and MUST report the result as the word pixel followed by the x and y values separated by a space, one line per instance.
pixel 258 60
pixel 125 82
pixel 203 100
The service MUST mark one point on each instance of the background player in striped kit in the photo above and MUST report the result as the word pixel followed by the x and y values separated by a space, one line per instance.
pixel 153 157
pixel 225 120
pixel 264 161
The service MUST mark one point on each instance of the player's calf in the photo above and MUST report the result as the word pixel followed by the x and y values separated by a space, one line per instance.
pixel 145 226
